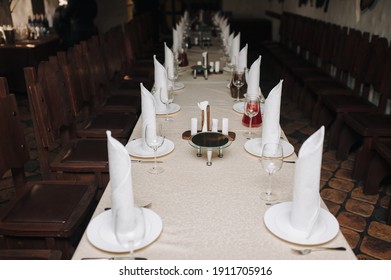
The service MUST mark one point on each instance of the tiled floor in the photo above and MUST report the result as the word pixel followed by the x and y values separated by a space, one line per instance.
pixel 362 217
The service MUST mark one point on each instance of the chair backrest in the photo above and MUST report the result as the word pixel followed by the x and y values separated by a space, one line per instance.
pixel 14 152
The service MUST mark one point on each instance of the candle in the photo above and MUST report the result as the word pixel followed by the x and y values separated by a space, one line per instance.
pixel 215 124
pixel 193 126
pixel 217 66
pixel 225 126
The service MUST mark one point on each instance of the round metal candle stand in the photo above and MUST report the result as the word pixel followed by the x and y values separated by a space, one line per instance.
pixel 210 141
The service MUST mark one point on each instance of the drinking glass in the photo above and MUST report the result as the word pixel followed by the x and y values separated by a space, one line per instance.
pixel 272 158
pixel 129 229
pixel 251 109
pixel 167 101
pixel 238 79
pixel 154 140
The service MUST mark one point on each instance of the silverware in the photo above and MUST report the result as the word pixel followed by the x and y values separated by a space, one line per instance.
pixel 114 258
pixel 289 161
pixel 309 250
pixel 145 161
pixel 146 205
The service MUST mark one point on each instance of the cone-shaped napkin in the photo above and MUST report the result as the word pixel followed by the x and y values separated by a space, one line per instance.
pixel 148 115
pixel 242 62
pixel 169 63
pixel 235 48
pixel 306 197
pixel 271 116
pixel 120 170
pixel 160 86
pixel 253 78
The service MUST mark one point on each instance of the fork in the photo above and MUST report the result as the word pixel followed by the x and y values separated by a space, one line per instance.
pixel 309 250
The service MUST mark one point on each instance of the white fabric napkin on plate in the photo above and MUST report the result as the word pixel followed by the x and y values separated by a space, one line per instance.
pixel 160 86
pixel 175 43
pixel 120 170
pixel 271 130
pixel 242 61
pixel 253 78
pixel 235 48
pixel 306 197
pixel 148 115
pixel 169 63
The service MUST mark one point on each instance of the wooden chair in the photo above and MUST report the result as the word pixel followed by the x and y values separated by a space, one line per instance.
pixel 379 168
pixel 105 98
pixel 44 214
pixel 87 122
pixel 61 154
pixel 373 97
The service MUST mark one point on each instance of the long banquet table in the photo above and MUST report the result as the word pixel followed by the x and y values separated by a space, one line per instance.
pixel 209 212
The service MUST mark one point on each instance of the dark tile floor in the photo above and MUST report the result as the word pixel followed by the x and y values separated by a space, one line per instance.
pixel 361 217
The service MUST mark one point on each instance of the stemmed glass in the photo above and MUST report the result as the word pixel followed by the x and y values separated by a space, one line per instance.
pixel 251 109
pixel 272 158
pixel 167 101
pixel 154 140
pixel 129 229
pixel 238 79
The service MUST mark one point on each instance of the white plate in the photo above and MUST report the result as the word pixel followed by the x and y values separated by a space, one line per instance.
pixel 227 69
pixel 172 108
pixel 277 221
pixel 239 107
pixel 178 86
pixel 253 146
pixel 135 148
pixel 100 231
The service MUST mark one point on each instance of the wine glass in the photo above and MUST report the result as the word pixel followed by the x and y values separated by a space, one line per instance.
pixel 167 100
pixel 129 228
pixel 154 139
pixel 238 80
pixel 272 158
pixel 251 109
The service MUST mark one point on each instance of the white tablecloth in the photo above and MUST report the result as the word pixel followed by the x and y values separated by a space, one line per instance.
pixel 209 212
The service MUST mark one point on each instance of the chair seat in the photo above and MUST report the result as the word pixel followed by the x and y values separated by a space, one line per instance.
pixel 346 103
pixel 328 87
pixel 30 215
pixel 369 124
pixel 120 125
pixel 122 103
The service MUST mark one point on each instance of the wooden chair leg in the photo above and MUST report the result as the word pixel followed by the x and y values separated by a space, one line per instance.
pixel 389 213
pixel 335 130
pixel 363 157
pixel 377 171
pixel 347 139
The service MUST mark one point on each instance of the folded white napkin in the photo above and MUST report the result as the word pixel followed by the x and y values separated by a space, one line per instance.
pixel 175 43
pixel 242 61
pixel 160 86
pixel 235 48
pixel 253 78
pixel 120 170
pixel 148 115
pixel 271 116
pixel 306 197
pixel 169 63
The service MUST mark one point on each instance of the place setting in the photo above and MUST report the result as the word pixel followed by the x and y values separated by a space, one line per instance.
pixel 162 92
pixel 302 221
pixel 152 143
pixel 124 227
pixel 271 130
pixel 171 65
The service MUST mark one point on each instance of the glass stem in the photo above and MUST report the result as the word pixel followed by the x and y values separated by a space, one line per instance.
pixel 269 190
pixel 154 157
pixel 251 122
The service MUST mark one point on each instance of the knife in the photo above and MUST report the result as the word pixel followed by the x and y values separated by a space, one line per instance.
pixel 145 161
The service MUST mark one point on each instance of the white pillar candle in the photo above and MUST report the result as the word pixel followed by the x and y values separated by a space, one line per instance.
pixel 215 124
pixel 193 126
pixel 199 62
pixel 224 129
pixel 211 64
pixel 217 66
